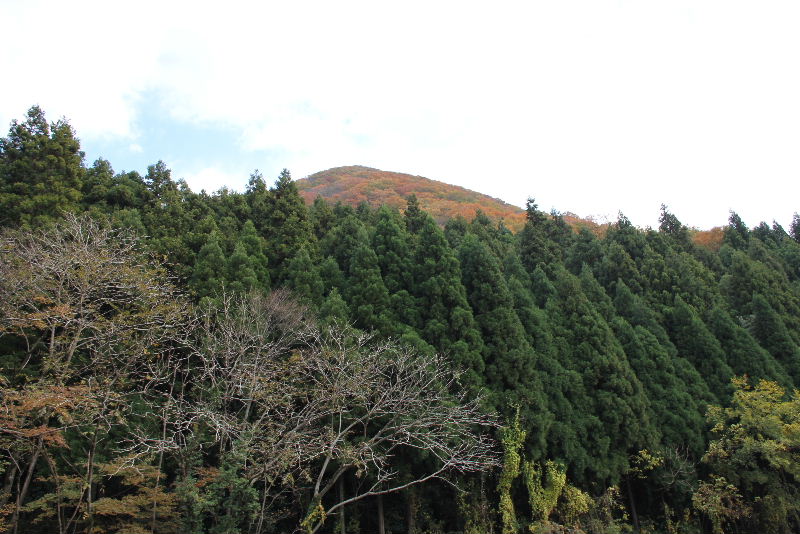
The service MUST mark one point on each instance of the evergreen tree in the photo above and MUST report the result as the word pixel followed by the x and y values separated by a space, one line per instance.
pixel 698 345
pixel 446 320
pixel 772 334
pixel 454 231
pixel 288 223
pixel 334 309
pixel 743 353
pixel 689 393
pixel 98 181
pixel 509 359
pixel 559 232
pixel 160 183
pixel 794 229
pixel 669 225
pixel 736 233
pixel 322 217
pixel 392 245
pixel 241 275
pixel 541 286
pixel 627 236
pixel 366 292
pixel 535 245
pixel 585 249
pixel 415 218
pixel 344 239
pixel 677 415
pixel 596 294
pixel 258 197
pixel 610 405
pixel 208 273
pixel 332 276
pixel 41 171
pixel 303 277
pixel 617 264
pixel 254 245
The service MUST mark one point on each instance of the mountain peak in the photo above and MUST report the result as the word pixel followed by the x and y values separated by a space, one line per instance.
pixel 354 184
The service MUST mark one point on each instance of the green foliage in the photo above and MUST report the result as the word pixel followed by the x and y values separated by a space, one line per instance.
pixel 610 341
pixel 446 321
pixel 608 397
pixel 770 330
pixel 512 438
pixel 510 361
pixel 697 344
pixel 367 295
pixel 41 171
pixel 544 484
pixel 755 458
pixel 304 279
pixel 255 247
pixel 721 502
pixel 208 276
pixel 288 222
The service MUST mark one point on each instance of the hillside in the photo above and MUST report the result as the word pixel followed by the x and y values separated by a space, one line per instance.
pixel 586 348
pixel 355 184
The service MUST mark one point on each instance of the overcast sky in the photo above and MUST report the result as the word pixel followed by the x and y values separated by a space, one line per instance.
pixel 590 106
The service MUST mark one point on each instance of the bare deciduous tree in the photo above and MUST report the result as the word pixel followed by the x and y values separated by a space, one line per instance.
pixel 310 406
pixel 100 321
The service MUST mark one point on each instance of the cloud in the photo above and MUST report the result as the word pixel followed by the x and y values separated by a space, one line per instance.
pixel 589 106
pixel 212 179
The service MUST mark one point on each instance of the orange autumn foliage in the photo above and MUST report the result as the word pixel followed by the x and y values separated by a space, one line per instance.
pixel 710 239
pixel 356 184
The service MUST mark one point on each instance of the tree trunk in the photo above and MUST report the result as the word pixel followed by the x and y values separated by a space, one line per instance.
pixel 411 505
pixel 634 515
pixel 381 527
pixel 23 492
pixel 342 526
pixel 8 483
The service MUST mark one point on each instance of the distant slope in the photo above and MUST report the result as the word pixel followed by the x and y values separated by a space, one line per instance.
pixel 355 184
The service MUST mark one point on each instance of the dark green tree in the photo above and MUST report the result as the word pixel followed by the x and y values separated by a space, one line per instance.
pixel 736 233
pixel 334 309
pixel 671 226
pixel 303 278
pixel 322 217
pixel 366 293
pixel 208 274
pixel 794 229
pixel 446 319
pixel 535 244
pixel 288 223
pixel 392 245
pixel 414 216
pixel 511 363
pixel 771 332
pixel 610 411
pixel 241 276
pixel 743 353
pixel 697 344
pixel 257 196
pixel 255 247
pixel 41 171
pixel 585 249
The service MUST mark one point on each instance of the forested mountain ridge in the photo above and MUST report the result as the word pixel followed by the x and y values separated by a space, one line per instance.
pixel 354 184
pixel 157 376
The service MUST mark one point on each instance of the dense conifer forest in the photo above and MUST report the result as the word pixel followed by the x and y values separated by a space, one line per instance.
pixel 183 362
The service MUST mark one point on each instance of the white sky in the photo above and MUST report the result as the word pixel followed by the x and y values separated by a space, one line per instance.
pixel 590 106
